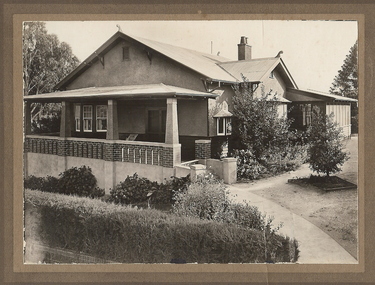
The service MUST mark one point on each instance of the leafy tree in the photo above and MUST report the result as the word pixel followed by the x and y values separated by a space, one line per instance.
pixel 257 124
pixel 326 154
pixel 345 83
pixel 45 62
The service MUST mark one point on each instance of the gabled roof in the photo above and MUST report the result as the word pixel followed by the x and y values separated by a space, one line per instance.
pixel 121 92
pixel 205 64
pixel 256 70
pixel 211 67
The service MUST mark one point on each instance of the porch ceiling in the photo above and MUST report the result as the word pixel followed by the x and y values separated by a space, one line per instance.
pixel 147 91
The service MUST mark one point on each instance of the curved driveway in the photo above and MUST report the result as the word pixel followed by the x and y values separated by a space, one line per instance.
pixel 316 247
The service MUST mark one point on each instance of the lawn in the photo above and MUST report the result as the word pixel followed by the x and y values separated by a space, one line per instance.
pixel 335 212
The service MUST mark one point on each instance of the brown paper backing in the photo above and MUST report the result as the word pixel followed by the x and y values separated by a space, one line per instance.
pixel 13 269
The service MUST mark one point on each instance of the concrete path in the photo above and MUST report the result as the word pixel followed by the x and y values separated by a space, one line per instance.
pixel 314 244
pixel 316 247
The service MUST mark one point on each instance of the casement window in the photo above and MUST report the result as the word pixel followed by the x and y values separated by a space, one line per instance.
pixel 87 118
pixel 77 117
pixel 224 126
pixel 101 118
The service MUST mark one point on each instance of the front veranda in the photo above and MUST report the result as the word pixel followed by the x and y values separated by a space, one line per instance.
pixel 115 136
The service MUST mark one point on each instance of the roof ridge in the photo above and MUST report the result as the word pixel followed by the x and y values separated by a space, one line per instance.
pixel 249 60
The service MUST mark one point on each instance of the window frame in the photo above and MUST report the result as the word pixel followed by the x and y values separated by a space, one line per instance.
pixel 97 118
pixel 87 118
pixel 226 122
pixel 77 118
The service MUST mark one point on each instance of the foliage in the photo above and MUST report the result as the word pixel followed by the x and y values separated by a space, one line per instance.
pixel 47 124
pixel 130 235
pixel 247 165
pixel 135 189
pixel 77 181
pixel 208 199
pixel 345 83
pixel 261 137
pixel 74 181
pixel 34 183
pixel 46 61
pixel 325 151
pixel 257 124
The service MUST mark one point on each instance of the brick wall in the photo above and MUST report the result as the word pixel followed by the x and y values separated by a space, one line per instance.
pixel 202 149
pixel 153 154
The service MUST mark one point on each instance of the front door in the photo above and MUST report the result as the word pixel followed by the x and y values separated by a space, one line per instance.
pixel 156 123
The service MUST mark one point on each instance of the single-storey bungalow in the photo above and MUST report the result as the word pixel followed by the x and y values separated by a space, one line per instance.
pixel 141 106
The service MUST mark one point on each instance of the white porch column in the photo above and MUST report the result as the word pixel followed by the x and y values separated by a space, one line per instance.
pixel 112 121
pixel 171 132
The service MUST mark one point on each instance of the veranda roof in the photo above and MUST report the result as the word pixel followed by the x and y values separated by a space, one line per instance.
pixel 305 95
pixel 146 91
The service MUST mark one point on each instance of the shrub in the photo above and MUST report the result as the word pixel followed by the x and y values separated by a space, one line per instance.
pixel 34 183
pixel 257 124
pixel 247 165
pixel 77 181
pixel 135 189
pixel 74 181
pixel 129 235
pixel 51 184
pixel 326 154
pixel 204 199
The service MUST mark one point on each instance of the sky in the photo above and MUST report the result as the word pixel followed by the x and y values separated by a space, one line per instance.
pixel 313 51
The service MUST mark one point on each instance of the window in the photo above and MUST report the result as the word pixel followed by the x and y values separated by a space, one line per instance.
pixel 271 74
pixel 224 126
pixel 87 118
pixel 228 126
pixel 77 116
pixel 101 118
pixel 125 53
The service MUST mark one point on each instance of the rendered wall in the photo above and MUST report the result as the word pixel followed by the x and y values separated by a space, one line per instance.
pixel 138 70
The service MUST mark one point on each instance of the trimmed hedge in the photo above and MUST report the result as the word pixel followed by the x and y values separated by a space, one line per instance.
pixel 130 235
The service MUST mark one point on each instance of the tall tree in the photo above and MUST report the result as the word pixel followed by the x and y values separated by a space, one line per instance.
pixel 45 62
pixel 345 82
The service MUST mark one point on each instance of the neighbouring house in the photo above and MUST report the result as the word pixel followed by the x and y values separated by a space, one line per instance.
pixel 141 106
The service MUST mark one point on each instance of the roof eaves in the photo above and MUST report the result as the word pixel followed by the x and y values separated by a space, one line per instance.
pixel 288 73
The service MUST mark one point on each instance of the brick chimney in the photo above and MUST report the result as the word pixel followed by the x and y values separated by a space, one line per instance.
pixel 244 50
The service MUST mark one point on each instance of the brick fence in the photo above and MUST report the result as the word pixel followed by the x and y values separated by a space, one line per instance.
pixel 150 153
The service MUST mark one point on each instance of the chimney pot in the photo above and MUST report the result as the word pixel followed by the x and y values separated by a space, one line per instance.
pixel 243 40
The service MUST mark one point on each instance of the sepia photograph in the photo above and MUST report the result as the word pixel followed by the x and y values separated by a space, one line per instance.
pixel 190 142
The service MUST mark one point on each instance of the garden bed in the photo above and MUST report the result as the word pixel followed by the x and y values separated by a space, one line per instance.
pixel 326 183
